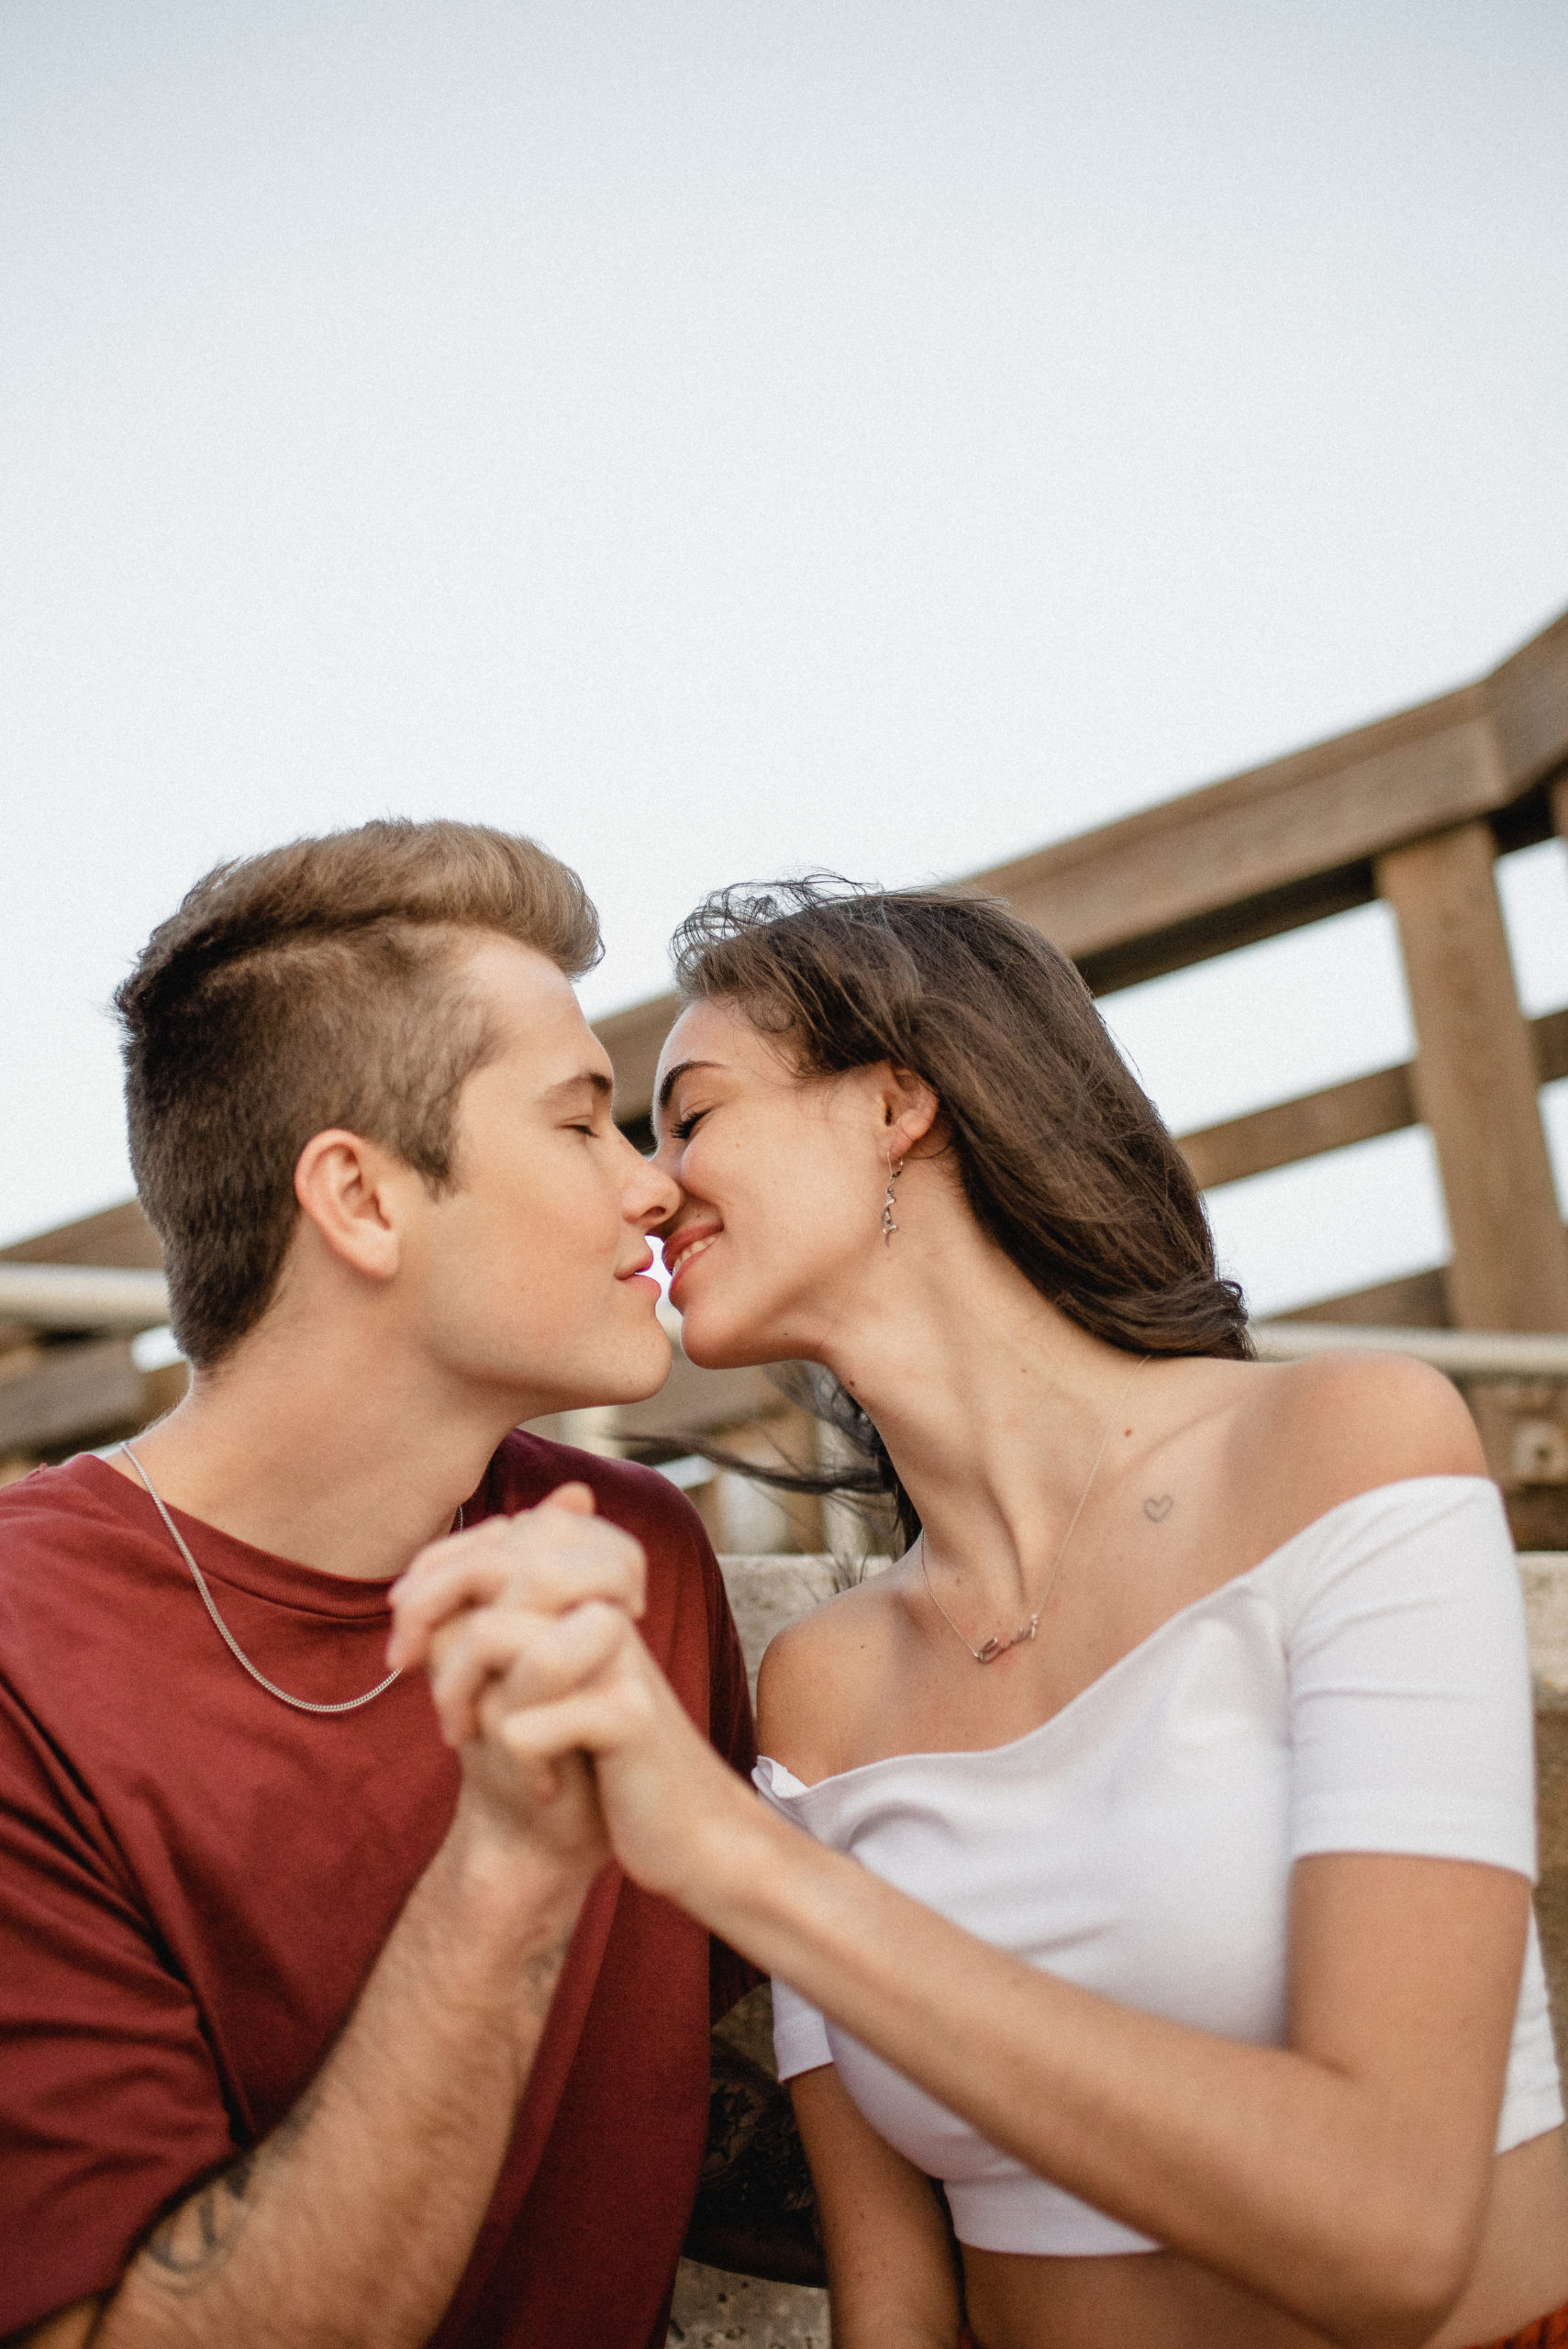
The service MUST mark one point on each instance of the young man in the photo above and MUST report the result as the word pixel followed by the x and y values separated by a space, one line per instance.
pixel 318 2031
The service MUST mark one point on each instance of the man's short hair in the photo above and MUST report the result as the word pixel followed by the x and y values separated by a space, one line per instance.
pixel 316 985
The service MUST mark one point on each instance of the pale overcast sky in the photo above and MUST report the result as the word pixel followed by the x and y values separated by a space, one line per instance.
pixel 721 438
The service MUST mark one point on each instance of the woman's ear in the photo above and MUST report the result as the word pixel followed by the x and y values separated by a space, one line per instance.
pixel 911 1111
pixel 342 1183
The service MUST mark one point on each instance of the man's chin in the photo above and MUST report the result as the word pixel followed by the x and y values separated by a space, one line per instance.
pixel 629 1376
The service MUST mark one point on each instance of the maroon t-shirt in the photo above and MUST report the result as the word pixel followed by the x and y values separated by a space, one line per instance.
pixel 195 1881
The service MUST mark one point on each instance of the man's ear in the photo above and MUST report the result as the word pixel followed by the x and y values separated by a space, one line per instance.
pixel 345 1187
pixel 910 1109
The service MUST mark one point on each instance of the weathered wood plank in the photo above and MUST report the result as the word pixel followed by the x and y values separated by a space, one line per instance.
pixel 1417 1301
pixel 1460 755
pixel 633 1039
pixel 1288 826
pixel 1224 929
pixel 1256 854
pixel 1529 699
pixel 1549 1041
pixel 119 1237
pixel 1474 1083
pixel 1301 816
pixel 76 1392
pixel 1358 1110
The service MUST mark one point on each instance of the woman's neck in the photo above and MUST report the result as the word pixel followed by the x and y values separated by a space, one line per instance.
pixel 992 1405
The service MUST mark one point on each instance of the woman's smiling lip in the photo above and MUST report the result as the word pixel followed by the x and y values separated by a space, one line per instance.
pixel 689 1244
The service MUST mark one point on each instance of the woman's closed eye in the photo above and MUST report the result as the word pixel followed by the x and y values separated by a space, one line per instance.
pixel 684 1127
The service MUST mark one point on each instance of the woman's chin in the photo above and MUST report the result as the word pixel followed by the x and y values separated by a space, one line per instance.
pixel 715 1341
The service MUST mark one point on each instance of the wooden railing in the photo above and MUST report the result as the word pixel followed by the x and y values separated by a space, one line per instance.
pixel 1414 810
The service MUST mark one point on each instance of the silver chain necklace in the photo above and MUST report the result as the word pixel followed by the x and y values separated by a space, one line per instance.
pixel 300 1704
pixel 996 1645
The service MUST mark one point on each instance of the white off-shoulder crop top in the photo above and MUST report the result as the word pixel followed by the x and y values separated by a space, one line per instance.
pixel 1365 1689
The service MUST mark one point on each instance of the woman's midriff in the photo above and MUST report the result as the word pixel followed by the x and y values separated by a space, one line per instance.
pixel 1163 2301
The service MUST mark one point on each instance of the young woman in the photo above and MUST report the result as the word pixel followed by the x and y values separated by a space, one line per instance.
pixel 1168 1805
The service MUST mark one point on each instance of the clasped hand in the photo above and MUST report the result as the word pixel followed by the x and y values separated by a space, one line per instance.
pixel 527 1625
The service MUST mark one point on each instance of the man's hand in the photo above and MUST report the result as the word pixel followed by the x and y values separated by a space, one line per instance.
pixel 592 1578
pixel 556 1556
pixel 533 1637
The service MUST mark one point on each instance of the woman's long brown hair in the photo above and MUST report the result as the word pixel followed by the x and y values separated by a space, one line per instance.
pixel 1064 1160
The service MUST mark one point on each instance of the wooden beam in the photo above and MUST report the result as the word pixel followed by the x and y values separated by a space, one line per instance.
pixel 633 1039
pixel 1358 1110
pixel 1304 821
pixel 1332 1119
pixel 1474 1083
pixel 1260 853
pixel 74 1393
pixel 1549 1041
pixel 1529 699
pixel 1418 1301
pixel 1180 881
pixel 1249 857
pixel 1222 929
pixel 1317 810
pixel 119 1236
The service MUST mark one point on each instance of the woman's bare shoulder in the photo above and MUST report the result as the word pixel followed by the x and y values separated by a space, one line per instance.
pixel 1319 1432
pixel 820 1671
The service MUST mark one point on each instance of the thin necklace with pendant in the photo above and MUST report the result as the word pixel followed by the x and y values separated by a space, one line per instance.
pixel 300 1704
pixel 996 1645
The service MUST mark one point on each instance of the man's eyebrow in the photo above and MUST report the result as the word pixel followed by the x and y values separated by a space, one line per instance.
pixel 680 1069
pixel 593 1078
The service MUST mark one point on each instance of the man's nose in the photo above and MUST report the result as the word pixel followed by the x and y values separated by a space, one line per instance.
pixel 655 1196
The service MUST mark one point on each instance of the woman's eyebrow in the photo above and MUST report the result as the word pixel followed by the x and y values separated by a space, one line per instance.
pixel 680 1069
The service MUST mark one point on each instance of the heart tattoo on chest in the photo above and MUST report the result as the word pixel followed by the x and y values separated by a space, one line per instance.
pixel 1157 1511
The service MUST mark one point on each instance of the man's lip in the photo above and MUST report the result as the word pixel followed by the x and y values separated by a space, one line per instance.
pixel 633 1272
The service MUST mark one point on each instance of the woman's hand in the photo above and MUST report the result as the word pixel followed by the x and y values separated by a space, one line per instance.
pixel 559 1555
pixel 668 1800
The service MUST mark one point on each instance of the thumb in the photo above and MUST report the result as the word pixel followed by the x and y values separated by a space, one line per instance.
pixel 578 1499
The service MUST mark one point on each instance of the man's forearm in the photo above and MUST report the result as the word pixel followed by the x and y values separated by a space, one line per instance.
pixel 354 2219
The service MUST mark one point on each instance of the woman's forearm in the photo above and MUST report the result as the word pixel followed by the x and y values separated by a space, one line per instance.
pixel 891 2267
pixel 1343 2177
pixel 1285 2173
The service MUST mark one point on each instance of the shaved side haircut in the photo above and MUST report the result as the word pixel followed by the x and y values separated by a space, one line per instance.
pixel 319 984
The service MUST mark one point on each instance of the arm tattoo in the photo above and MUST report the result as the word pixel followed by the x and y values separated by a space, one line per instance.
pixel 196 2238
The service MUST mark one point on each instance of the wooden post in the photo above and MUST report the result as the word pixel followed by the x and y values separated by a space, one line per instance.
pixel 1560 806
pixel 1474 1080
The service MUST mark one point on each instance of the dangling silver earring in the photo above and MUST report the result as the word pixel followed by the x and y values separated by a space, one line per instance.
pixel 888 1225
